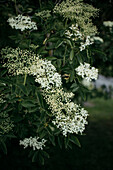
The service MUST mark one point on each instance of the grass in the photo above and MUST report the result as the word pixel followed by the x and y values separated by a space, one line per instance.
pixel 96 152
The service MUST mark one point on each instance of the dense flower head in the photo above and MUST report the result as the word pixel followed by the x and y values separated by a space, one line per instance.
pixel 22 23
pixel 45 74
pixel 18 61
pixel 68 116
pixel 33 142
pixel 78 11
pixel 87 72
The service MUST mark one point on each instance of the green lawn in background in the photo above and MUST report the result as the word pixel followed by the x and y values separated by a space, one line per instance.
pixel 96 152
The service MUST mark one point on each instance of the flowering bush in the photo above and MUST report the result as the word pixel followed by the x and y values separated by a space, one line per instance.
pixel 42 74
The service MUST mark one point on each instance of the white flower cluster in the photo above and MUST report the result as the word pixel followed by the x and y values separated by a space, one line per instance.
pixel 22 23
pixel 68 116
pixel 33 142
pixel 75 35
pixel 86 43
pixel 87 72
pixel 18 61
pixel 45 74
pixel 108 23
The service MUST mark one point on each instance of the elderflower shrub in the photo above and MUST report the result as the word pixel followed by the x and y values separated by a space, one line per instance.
pixel 80 12
pixel 87 72
pixel 22 23
pixel 36 99
pixel 33 142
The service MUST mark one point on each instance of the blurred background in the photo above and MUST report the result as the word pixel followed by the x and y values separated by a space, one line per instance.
pixel 96 152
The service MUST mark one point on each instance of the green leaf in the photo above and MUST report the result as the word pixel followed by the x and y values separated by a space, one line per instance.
pixel 75 141
pixel 45 154
pixel 72 54
pixel 66 141
pixel 34 158
pixel 11 136
pixel 59 43
pixel 22 88
pixel 72 76
pixel 59 62
pixel 60 142
pixel 2 72
pixel 53 39
pixel 41 159
pixel 27 104
pixel 3 146
pixel 52 139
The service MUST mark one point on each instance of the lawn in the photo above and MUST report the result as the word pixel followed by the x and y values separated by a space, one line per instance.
pixel 96 152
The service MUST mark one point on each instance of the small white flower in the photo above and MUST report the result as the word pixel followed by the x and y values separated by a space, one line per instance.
pixel 87 72
pixel 33 142
pixel 22 23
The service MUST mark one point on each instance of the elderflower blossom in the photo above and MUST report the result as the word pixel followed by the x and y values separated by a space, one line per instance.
pixel 109 24
pixel 86 43
pixel 22 23
pixel 87 72
pixel 45 74
pixel 78 11
pixel 18 61
pixel 75 35
pixel 68 116
pixel 33 142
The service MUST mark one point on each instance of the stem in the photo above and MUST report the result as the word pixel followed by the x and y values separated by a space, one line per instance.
pixel 66 23
pixel 25 79
pixel 16 8
pixel 64 58
pixel 87 54
pixel 40 3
